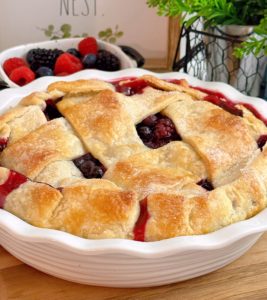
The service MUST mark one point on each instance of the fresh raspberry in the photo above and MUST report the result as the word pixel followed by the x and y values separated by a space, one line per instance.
pixel 22 75
pixel 13 63
pixel 88 45
pixel 67 64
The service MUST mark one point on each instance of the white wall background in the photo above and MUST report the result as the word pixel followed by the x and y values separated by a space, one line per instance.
pixel 20 21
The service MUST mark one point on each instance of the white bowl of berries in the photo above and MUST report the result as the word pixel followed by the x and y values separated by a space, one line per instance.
pixel 23 64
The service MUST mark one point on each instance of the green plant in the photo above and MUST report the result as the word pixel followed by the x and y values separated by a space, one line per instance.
pixel 220 12
pixel 63 32
pixel 109 35
pixel 254 44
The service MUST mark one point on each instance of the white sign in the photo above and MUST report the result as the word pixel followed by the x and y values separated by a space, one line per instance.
pixel 125 22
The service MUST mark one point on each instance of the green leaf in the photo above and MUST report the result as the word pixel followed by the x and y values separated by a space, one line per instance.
pixel 102 34
pixel 119 34
pixel 190 21
pixel 51 27
pixel 65 28
pixel 108 32
pixel 66 35
pixel 47 33
pixel 112 40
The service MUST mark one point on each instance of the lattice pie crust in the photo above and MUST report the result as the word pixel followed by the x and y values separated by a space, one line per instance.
pixel 168 161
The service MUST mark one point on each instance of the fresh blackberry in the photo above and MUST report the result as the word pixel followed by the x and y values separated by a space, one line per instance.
pixel 38 57
pixel 106 61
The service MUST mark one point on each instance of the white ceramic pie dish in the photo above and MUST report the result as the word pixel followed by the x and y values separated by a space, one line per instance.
pixel 63 44
pixel 125 263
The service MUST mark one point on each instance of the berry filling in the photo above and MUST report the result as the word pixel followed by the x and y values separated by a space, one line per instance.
pixel 13 181
pixel 51 112
pixel 220 100
pixel 3 144
pixel 132 87
pixel 206 184
pixel 262 141
pixel 89 166
pixel 140 225
pixel 157 130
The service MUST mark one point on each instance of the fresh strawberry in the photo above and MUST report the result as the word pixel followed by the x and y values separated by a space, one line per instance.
pixel 67 63
pixel 88 45
pixel 22 75
pixel 13 63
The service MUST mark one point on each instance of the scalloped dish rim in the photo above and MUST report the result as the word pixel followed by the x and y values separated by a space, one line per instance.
pixel 215 240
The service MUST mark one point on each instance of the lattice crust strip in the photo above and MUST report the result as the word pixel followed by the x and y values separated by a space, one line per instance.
pixel 212 177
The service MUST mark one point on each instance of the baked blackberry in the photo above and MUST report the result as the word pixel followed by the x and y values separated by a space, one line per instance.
pixel 38 57
pixel 106 61
pixel 89 166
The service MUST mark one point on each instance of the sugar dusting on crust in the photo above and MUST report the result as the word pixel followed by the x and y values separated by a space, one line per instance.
pixel 221 145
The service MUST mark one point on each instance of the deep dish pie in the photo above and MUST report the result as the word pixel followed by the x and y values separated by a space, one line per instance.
pixel 138 158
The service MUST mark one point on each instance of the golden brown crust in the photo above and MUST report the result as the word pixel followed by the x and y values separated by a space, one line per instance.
pixel 56 172
pixel 33 202
pixel 168 86
pixel 105 127
pixel 216 145
pixel 221 139
pixel 79 86
pixel 19 121
pixel 50 142
pixel 39 98
pixel 171 167
pixel 93 211
pixel 255 125
pixel 173 215
pixel 150 102
pixel 75 98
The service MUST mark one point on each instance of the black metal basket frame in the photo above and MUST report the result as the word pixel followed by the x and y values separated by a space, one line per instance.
pixel 194 45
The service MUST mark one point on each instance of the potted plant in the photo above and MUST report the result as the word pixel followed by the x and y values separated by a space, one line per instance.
pixel 245 19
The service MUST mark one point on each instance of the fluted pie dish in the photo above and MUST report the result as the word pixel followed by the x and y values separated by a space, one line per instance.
pixel 131 178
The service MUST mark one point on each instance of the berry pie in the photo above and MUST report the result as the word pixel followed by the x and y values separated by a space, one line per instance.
pixel 138 158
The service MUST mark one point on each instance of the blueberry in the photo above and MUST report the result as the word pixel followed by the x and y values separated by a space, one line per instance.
pixel 74 52
pixel 43 71
pixel 87 168
pixel 98 172
pixel 89 60
pixel 145 133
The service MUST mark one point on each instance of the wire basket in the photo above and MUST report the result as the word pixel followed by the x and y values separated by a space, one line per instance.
pixel 209 56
